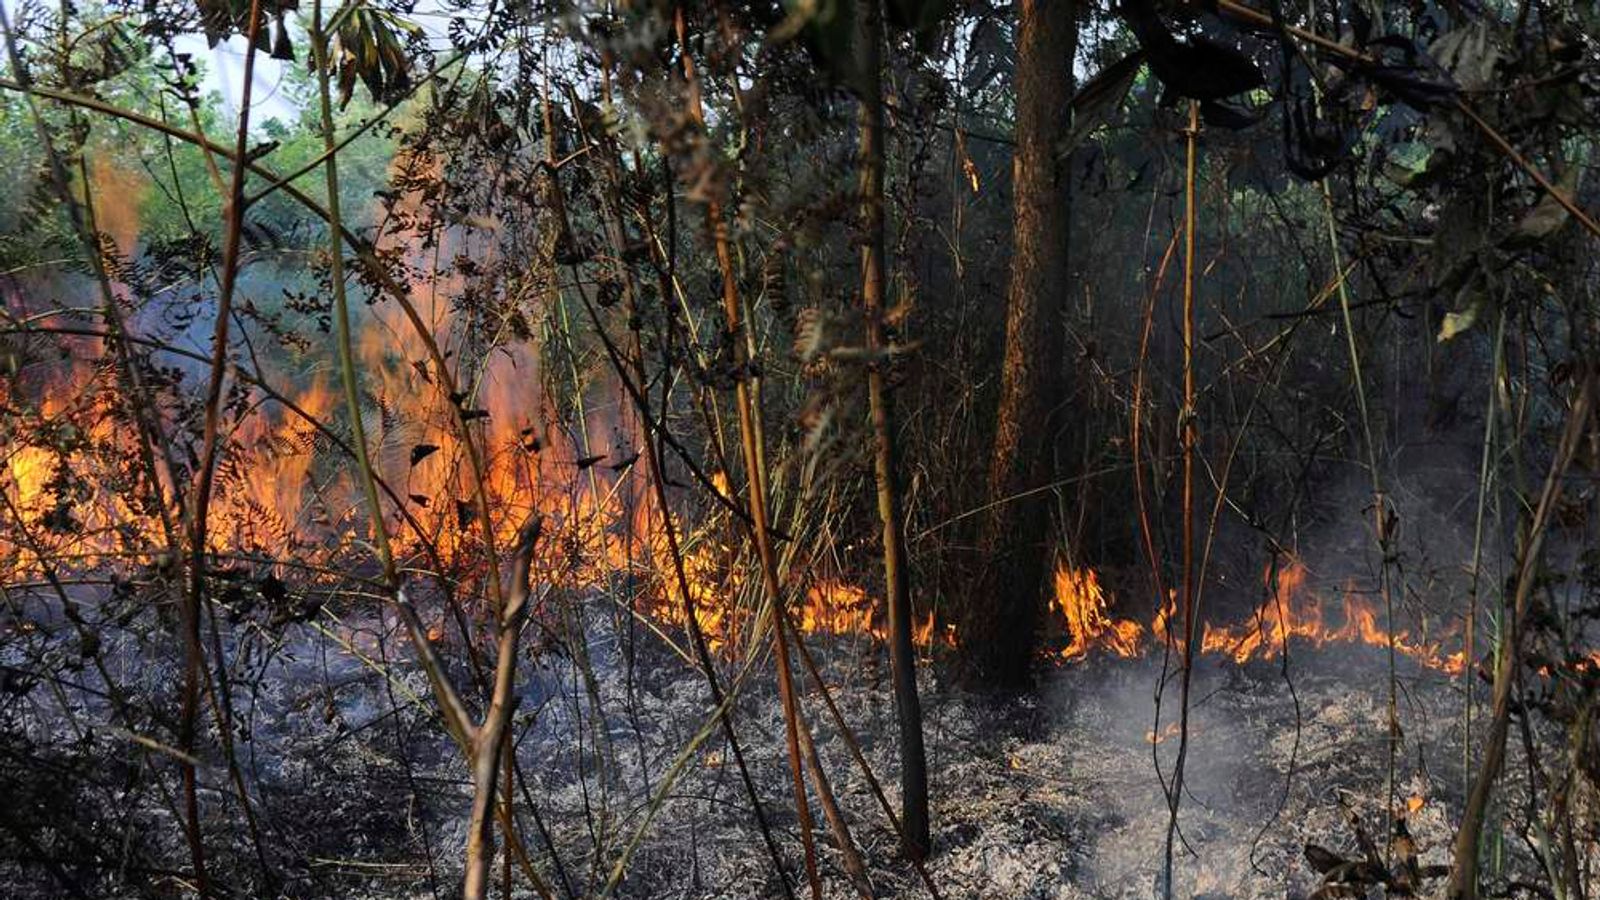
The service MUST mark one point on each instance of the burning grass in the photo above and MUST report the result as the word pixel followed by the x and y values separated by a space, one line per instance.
pixel 609 529
pixel 1294 613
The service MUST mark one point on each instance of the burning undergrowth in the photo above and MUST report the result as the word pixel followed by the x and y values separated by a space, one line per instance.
pixel 356 790
pixel 282 490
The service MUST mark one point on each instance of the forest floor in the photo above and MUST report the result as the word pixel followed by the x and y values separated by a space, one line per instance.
pixel 1056 794
pixel 1051 795
pixel 1067 802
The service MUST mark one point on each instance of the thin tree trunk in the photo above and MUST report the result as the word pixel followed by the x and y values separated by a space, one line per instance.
pixel 200 502
pixel 656 459
pixel 1464 874
pixel 1000 632
pixel 896 577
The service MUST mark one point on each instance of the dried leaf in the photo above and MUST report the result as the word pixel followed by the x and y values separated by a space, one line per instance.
pixel 1470 54
pixel 1548 215
pixel 1456 322
pixel 1099 99
pixel 1321 859
pixel 810 334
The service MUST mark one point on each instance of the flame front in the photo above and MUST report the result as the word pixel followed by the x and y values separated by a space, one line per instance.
pixel 1293 613
pixel 284 492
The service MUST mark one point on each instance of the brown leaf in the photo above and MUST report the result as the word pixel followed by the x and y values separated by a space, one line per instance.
pixel 1548 215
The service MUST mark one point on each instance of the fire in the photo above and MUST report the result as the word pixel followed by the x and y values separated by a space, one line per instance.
pixel 117 190
pixel 1293 613
pixel 1171 731
pixel 836 608
pixel 279 494
pixel 1082 603
pixel 67 495
pixel 283 490
pixel 267 504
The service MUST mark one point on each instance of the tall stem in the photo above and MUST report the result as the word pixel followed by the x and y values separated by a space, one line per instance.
pixel 200 499
pixel 341 304
pixel 1380 511
pixel 636 391
pixel 1188 429
pixel 749 431
pixel 1485 472
pixel 1464 874
pixel 896 576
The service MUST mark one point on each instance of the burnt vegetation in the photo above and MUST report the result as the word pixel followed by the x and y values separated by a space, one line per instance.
pixel 867 448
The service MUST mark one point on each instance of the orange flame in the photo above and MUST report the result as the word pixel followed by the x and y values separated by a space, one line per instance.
pixel 278 491
pixel 1172 730
pixel 1082 602
pixel 1293 613
pixel 282 492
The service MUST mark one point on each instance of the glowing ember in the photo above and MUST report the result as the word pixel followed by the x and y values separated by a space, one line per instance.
pixel 1171 731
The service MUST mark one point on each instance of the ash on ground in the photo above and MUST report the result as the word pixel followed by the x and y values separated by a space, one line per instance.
pixel 358 792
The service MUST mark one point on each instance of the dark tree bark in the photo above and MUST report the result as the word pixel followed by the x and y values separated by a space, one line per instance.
pixel 896 576
pixel 1002 616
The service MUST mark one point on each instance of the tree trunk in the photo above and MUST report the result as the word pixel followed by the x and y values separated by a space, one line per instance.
pixel 1002 618
pixel 896 577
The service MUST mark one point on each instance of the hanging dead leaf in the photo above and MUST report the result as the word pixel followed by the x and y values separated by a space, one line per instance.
pixel 1098 99
pixel 1548 215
